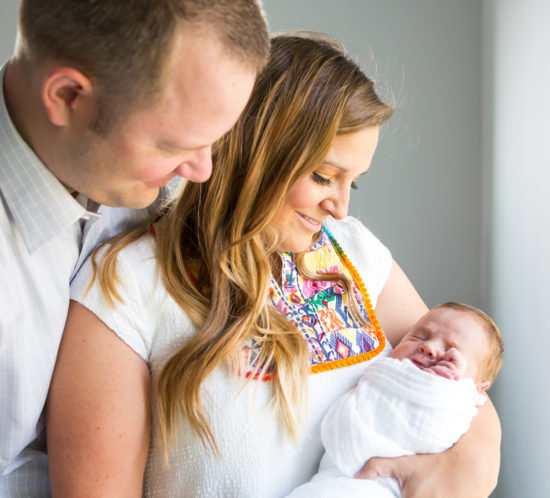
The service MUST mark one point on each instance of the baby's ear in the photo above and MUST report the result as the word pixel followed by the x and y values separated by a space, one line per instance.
pixel 483 386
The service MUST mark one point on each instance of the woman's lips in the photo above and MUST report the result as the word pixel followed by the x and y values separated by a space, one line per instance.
pixel 311 223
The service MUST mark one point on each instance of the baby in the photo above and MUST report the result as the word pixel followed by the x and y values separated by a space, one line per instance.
pixel 421 399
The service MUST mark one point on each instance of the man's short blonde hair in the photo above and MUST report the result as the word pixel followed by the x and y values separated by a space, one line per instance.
pixel 122 45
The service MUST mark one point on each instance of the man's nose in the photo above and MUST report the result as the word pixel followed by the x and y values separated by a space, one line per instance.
pixel 197 166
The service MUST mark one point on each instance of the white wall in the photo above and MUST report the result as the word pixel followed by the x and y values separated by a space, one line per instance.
pixel 422 196
pixel 518 157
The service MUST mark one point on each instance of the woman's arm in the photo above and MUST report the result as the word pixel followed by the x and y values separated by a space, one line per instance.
pixel 399 306
pixel 98 412
pixel 470 468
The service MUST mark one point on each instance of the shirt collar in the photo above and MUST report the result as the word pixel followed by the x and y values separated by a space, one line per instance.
pixel 38 203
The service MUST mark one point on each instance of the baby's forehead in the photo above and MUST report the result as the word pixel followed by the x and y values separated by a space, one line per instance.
pixel 446 315
pixel 454 326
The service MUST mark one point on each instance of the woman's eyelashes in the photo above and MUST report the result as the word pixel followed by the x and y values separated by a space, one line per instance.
pixel 323 180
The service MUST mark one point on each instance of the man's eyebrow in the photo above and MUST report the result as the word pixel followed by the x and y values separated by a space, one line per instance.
pixel 179 148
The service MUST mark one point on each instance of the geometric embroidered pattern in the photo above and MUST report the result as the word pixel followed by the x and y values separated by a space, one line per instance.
pixel 318 309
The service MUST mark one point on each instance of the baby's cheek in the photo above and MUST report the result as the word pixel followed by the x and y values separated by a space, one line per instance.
pixel 460 362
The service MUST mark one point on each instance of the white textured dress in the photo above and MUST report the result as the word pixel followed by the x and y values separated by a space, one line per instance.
pixel 257 458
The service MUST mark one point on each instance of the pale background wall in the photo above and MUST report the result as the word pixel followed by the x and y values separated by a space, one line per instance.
pixel 459 185
pixel 517 160
pixel 422 196
pixel 8 20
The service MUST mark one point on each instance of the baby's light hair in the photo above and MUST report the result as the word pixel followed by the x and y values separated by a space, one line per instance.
pixel 494 357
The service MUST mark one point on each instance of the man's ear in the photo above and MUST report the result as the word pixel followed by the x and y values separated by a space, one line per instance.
pixel 64 91
pixel 483 386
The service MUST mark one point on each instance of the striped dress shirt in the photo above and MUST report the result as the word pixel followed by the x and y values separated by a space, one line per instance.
pixel 45 235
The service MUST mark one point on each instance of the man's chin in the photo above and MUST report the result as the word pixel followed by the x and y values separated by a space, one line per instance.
pixel 134 200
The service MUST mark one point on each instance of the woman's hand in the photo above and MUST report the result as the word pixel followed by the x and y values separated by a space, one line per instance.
pixel 98 414
pixel 468 470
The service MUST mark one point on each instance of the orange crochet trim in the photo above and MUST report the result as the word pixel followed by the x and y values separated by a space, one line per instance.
pixel 352 360
pixel 347 362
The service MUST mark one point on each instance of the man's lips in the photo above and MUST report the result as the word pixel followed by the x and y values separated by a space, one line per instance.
pixel 159 183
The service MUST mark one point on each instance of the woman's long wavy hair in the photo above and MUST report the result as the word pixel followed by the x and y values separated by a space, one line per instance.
pixel 214 245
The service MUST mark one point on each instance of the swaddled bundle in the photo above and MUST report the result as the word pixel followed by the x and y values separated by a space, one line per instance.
pixel 395 409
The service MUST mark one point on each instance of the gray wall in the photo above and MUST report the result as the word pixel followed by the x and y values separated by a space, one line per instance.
pixel 422 196
pixel 517 158
pixel 8 25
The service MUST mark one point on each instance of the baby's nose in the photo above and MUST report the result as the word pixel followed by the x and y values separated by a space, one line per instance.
pixel 428 349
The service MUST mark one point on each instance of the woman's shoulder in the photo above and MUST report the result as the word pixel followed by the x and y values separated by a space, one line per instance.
pixel 138 257
pixel 368 254
pixel 131 309
pixel 353 234
pixel 138 252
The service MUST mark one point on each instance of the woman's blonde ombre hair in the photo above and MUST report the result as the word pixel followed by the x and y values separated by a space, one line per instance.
pixel 218 232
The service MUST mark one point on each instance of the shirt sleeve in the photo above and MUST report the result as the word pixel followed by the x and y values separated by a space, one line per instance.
pixel 134 318
pixel 371 258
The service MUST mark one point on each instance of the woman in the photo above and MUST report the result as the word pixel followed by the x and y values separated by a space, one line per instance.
pixel 210 303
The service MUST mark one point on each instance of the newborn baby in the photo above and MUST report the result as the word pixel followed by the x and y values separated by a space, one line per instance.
pixel 421 399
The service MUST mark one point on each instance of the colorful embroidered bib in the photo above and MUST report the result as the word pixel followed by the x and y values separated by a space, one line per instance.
pixel 318 309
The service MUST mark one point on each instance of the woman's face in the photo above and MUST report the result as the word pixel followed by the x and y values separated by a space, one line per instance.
pixel 326 191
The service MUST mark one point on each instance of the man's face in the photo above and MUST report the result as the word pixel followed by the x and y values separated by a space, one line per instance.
pixel 204 93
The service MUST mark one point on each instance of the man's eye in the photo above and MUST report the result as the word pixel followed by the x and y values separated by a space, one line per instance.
pixel 321 179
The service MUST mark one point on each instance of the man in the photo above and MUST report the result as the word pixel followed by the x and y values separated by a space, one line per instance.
pixel 103 103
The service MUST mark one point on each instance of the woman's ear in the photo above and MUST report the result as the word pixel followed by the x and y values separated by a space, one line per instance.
pixel 65 91
pixel 483 386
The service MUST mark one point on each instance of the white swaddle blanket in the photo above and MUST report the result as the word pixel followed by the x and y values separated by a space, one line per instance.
pixel 395 409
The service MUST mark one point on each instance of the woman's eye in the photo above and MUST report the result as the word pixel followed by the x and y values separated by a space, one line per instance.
pixel 321 179
pixel 354 185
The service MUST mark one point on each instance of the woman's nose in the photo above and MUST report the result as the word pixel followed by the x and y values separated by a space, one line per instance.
pixel 337 205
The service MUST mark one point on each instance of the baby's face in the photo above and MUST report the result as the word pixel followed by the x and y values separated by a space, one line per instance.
pixel 446 342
